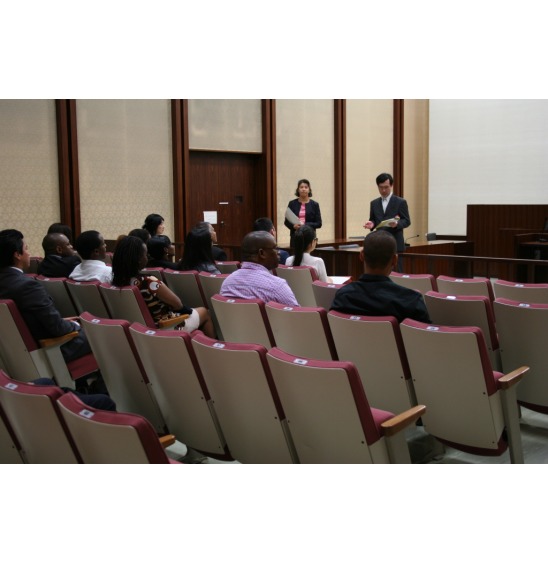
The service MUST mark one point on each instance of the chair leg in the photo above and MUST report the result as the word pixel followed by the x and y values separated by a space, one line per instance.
pixel 511 419
pixel 398 450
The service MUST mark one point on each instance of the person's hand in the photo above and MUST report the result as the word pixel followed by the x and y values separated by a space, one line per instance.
pixel 297 226
pixel 393 224
pixel 369 225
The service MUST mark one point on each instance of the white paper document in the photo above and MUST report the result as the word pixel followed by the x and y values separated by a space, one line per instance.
pixel 210 217
pixel 291 217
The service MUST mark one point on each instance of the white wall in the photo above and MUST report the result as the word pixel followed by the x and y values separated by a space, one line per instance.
pixel 485 151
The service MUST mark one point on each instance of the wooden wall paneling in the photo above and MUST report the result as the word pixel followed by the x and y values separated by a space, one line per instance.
pixel 492 228
pixel 67 156
pixel 266 188
pixel 398 148
pixel 340 169
pixel 180 152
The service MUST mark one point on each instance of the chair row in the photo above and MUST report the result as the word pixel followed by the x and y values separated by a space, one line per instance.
pixel 239 400
pixel 42 424
pixel 375 344
pixel 528 292
pixel 130 372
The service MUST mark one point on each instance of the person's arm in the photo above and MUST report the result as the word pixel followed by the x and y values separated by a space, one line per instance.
pixel 322 272
pixel 286 222
pixel 404 217
pixel 371 223
pixel 314 216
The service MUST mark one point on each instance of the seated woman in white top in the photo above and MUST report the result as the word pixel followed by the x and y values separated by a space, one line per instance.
pixel 305 242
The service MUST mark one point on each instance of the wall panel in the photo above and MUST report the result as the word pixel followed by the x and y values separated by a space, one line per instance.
pixel 29 178
pixel 225 125
pixel 369 151
pixel 305 149
pixel 415 156
pixel 125 161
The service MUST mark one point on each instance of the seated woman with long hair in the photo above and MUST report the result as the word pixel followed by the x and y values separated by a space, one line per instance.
pixel 305 242
pixel 197 254
pixel 130 257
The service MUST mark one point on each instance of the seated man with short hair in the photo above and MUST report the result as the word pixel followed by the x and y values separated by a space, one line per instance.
pixel 375 294
pixel 266 224
pixel 60 258
pixel 92 248
pixel 34 303
pixel 253 280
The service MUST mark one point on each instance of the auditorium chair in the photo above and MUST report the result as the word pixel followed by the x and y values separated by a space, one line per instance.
pixel 227 267
pixel 419 282
pixel 301 330
pixel 178 385
pixel 329 416
pixel 110 437
pixel 465 286
pixel 36 422
pixel 299 279
pixel 525 292
pixel 522 329
pixel 58 291
pixel 26 359
pixel 87 297
pixel 127 303
pixel 121 368
pixel 374 345
pixel 186 285
pixel 211 285
pixel 466 310
pixel 10 449
pixel 471 407
pixel 245 400
pixel 243 320
pixel 324 293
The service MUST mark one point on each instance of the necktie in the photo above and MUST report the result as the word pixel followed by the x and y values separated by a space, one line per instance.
pixel 384 204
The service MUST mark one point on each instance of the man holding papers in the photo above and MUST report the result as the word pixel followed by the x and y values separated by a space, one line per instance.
pixel 389 213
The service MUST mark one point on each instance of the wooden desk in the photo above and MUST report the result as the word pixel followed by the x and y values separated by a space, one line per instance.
pixel 346 261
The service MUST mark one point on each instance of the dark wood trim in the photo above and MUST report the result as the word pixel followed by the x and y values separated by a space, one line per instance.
pixel 268 108
pixel 67 158
pixel 398 148
pixel 340 168
pixel 177 155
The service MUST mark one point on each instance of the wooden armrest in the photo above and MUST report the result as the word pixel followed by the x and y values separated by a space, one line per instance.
pixel 58 341
pixel 513 377
pixel 401 421
pixel 75 319
pixel 167 440
pixel 174 321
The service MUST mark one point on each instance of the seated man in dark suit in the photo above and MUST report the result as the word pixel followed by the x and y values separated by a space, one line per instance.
pixel 59 257
pixel 266 224
pixel 32 300
pixel 375 294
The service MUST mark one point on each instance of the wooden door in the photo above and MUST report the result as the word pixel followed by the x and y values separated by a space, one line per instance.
pixel 227 184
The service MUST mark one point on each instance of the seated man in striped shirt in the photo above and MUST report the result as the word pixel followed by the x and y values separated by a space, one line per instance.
pixel 253 280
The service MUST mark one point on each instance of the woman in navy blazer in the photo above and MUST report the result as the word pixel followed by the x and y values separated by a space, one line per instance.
pixel 310 214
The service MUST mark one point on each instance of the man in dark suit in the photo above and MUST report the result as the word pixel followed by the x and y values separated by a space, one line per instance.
pixel 60 258
pixel 32 300
pixel 266 224
pixel 386 207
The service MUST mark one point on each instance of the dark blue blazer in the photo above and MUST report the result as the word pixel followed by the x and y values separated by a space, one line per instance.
pixel 396 206
pixel 312 218
pixel 34 304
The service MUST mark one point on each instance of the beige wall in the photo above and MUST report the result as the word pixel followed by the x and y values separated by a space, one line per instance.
pixel 369 151
pixel 124 154
pixel 126 165
pixel 305 147
pixel 415 166
pixel 29 178
pixel 225 125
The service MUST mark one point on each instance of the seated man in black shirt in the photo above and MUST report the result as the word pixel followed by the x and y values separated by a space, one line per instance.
pixel 375 294
pixel 59 257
